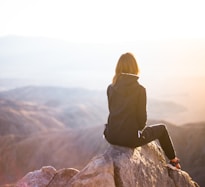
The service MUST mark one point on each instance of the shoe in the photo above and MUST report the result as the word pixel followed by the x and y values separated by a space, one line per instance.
pixel 175 162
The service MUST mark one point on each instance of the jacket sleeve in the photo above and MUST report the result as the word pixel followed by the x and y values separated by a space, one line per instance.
pixel 141 110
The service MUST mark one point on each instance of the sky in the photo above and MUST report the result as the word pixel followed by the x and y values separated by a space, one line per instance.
pixel 169 24
pixel 103 21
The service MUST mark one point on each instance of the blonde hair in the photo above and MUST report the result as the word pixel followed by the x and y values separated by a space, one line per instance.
pixel 126 64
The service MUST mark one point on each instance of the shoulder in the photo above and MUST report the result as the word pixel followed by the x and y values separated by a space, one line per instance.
pixel 142 89
pixel 140 86
pixel 109 88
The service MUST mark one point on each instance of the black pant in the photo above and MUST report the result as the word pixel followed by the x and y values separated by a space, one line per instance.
pixel 159 132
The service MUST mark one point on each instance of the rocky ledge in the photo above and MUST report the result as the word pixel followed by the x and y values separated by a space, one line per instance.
pixel 117 167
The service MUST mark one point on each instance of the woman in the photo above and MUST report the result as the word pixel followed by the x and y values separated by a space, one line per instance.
pixel 127 112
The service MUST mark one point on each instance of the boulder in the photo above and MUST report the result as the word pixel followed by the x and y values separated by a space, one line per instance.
pixel 38 178
pixel 117 167
pixel 62 177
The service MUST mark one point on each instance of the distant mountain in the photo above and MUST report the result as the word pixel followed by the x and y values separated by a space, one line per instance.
pixel 23 118
pixel 44 94
pixel 74 107
pixel 79 107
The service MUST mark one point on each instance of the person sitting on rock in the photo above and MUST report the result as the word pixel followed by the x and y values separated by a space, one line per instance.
pixel 126 125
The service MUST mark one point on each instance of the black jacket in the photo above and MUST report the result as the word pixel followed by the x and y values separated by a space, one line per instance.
pixel 127 111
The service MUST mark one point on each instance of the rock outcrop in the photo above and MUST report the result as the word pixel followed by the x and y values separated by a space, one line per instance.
pixel 117 167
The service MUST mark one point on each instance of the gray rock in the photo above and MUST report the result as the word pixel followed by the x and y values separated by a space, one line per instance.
pixel 62 177
pixel 38 178
pixel 117 167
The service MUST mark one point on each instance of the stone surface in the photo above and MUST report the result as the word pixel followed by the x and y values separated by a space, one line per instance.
pixel 117 167
pixel 98 173
pixel 38 178
pixel 181 177
pixel 62 177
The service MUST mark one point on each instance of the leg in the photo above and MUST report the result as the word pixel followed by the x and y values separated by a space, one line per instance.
pixel 158 132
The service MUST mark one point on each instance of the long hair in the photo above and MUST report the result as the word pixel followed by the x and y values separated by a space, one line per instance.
pixel 126 64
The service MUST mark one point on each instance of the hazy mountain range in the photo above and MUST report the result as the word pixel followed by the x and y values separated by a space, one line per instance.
pixel 53 103
pixel 63 127
pixel 89 105
pixel 172 71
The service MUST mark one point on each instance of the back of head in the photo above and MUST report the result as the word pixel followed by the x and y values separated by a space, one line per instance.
pixel 126 64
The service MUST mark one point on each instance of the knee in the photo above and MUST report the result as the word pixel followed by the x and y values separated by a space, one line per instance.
pixel 163 127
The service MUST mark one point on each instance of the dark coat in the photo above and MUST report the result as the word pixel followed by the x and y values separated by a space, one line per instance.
pixel 127 111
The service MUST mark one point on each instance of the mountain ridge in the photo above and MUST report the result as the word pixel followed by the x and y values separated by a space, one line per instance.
pixel 72 129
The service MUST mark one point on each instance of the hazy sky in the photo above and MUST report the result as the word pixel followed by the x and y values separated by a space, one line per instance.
pixel 153 27
pixel 103 20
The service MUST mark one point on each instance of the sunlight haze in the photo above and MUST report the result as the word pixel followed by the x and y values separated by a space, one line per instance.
pixel 57 61
pixel 77 44
pixel 103 21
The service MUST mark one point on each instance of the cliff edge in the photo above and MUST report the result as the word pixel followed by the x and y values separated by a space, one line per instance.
pixel 117 167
